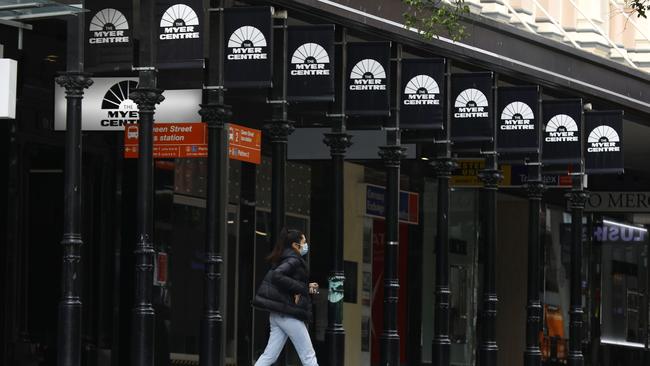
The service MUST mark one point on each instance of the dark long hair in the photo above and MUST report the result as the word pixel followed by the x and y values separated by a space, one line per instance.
pixel 287 237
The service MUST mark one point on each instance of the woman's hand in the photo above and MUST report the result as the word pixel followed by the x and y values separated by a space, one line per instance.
pixel 313 288
pixel 296 299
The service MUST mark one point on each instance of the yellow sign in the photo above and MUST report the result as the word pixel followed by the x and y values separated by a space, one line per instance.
pixel 468 170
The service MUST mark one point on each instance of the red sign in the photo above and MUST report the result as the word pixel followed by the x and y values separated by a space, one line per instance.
pixel 190 140
pixel 170 140
pixel 160 269
pixel 244 144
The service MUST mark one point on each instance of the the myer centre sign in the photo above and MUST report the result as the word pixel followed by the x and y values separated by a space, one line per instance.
pixel 107 105
pixel 618 202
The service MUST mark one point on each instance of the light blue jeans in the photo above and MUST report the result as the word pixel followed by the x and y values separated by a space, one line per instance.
pixel 282 327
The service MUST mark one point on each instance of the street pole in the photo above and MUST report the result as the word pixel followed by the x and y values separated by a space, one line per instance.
pixel 490 177
pixel 444 167
pixel 577 198
pixel 216 114
pixel 146 96
pixel 392 154
pixel 338 141
pixel 535 188
pixel 278 130
pixel 74 80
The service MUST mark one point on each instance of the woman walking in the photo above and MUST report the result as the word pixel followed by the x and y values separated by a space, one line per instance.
pixel 284 293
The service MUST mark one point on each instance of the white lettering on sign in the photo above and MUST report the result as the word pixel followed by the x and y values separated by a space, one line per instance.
pixel 618 202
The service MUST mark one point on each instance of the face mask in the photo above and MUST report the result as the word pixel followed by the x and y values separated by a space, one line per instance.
pixel 304 249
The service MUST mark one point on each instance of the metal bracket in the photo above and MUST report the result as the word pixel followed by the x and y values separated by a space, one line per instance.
pixel 215 9
pixel 489 153
pixel 276 101
pixel 390 128
pixel 280 14
pixel 533 163
pixel 143 68
pixel 442 141
pixel 576 173
pixel 336 115
pixel 216 87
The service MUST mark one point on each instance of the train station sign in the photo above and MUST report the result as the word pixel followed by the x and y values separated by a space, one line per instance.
pixel 170 140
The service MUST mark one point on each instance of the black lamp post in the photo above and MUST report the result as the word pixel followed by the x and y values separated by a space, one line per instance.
pixel 577 198
pixel 392 154
pixel 444 166
pixel 490 177
pixel 216 114
pixel 74 80
pixel 338 141
pixel 146 96
pixel 535 188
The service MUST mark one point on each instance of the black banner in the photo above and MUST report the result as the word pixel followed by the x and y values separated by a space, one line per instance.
pixel 423 94
pixel 368 75
pixel 248 47
pixel 518 120
pixel 562 131
pixel 604 145
pixel 471 107
pixel 180 33
pixel 311 63
pixel 109 32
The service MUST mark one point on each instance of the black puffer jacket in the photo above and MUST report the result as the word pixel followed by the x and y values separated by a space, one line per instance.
pixel 284 280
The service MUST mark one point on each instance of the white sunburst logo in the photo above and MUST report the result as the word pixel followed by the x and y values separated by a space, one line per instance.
pixel 108 26
pixel 179 22
pixel 120 108
pixel 367 74
pixel 561 128
pixel 247 43
pixel 471 103
pixel 517 116
pixel 603 139
pixel 421 90
pixel 310 59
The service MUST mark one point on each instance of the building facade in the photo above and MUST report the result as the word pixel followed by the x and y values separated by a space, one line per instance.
pixel 592 50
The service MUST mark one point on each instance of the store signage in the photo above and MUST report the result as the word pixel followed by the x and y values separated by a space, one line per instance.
pixel 109 45
pixel 471 118
pixel 609 232
pixel 248 33
pixel 520 178
pixel 604 145
pixel 368 67
pixel 8 73
pixel 376 204
pixel 618 202
pixel 423 94
pixel 180 31
pixel 468 170
pixel 562 141
pixel 244 144
pixel 161 269
pixel 107 105
pixel 518 125
pixel 170 140
pixel 311 63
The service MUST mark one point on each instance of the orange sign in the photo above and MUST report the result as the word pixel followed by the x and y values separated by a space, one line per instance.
pixel 244 144
pixel 170 140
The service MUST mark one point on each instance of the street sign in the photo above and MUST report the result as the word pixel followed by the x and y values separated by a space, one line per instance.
pixel 244 144
pixel 171 140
